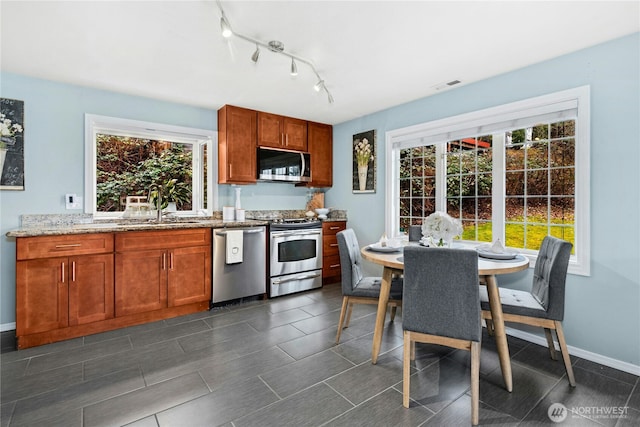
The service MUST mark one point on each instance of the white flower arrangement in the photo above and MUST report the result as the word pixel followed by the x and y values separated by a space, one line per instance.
pixel 363 151
pixel 440 228
pixel 8 129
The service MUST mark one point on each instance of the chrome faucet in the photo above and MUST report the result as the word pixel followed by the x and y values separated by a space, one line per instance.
pixel 158 189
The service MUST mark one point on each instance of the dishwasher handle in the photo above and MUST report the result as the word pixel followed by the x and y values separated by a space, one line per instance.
pixel 246 231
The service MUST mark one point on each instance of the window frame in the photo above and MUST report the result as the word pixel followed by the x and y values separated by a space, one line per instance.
pixel 198 138
pixel 489 120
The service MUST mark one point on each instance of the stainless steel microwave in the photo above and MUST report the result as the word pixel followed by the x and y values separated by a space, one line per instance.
pixel 287 166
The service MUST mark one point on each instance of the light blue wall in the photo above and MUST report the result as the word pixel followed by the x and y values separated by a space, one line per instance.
pixel 603 310
pixel 54 157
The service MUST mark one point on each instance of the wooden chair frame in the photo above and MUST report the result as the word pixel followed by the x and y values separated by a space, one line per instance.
pixel 547 325
pixel 409 340
pixel 348 301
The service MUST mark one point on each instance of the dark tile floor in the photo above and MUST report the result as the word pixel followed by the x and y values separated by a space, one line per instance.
pixel 274 363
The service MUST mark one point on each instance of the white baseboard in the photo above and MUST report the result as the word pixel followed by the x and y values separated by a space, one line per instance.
pixel 574 351
pixel 7 326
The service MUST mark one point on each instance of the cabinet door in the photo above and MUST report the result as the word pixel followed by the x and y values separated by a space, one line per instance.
pixel 189 275
pixel 321 149
pixel 141 281
pixel 236 145
pixel 270 130
pixel 41 295
pixel 91 297
pixel 295 134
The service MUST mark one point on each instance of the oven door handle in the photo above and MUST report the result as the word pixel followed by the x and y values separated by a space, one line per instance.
pixel 293 279
pixel 296 233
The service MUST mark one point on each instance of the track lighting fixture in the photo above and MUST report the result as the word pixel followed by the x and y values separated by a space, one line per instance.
pixel 225 27
pixel 256 54
pixel 276 47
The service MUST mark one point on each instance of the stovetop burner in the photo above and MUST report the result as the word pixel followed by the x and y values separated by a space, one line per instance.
pixel 293 220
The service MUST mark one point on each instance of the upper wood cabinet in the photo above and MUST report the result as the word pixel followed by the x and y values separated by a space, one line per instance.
pixel 320 137
pixel 237 145
pixel 281 132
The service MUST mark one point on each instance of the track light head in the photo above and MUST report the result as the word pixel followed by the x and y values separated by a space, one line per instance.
pixel 256 54
pixel 318 86
pixel 294 68
pixel 225 27
pixel 329 97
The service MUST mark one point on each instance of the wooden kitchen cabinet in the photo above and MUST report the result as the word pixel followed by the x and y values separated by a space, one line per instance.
pixel 74 285
pixel 331 269
pixel 63 281
pixel 276 131
pixel 320 138
pixel 237 145
pixel 160 269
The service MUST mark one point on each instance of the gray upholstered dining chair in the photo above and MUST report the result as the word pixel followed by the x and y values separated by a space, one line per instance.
pixel 543 306
pixel 441 305
pixel 356 288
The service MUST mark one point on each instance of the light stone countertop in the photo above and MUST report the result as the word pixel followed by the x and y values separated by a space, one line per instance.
pixel 129 225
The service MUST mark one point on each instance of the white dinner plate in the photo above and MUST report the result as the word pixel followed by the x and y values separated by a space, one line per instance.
pixel 377 248
pixel 485 252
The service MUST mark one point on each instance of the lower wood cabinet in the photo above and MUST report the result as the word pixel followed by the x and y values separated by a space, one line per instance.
pixel 149 280
pixel 75 285
pixel 331 268
pixel 58 292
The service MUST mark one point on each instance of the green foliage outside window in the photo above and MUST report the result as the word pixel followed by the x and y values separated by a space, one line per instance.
pixel 129 166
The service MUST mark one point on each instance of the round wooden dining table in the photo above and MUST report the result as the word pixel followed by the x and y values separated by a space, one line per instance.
pixel 488 269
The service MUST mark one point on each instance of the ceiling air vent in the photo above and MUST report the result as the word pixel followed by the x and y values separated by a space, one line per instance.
pixel 441 86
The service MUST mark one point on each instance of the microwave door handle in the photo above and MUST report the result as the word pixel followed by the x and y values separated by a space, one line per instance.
pixel 304 166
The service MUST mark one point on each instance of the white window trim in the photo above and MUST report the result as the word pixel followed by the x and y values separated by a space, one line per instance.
pixel 444 129
pixel 95 124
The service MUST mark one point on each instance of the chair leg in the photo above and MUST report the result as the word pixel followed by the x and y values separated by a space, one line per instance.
pixel 346 323
pixel 565 353
pixel 345 303
pixel 475 381
pixel 489 323
pixel 413 350
pixel 393 312
pixel 406 368
pixel 552 347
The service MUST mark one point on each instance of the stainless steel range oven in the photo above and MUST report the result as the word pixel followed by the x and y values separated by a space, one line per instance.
pixel 296 256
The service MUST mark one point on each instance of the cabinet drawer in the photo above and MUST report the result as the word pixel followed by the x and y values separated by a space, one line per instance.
pixel 58 246
pixel 331 266
pixel 144 240
pixel 330 245
pixel 333 227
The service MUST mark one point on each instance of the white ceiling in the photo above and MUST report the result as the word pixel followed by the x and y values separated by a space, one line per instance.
pixel 372 54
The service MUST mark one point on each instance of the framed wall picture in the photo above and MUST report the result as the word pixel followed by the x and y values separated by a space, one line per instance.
pixel 364 162
pixel 11 144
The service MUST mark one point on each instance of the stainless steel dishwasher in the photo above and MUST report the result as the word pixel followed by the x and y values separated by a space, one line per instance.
pixel 242 279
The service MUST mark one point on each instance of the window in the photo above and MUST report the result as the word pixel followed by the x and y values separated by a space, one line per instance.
pixel 518 172
pixel 126 158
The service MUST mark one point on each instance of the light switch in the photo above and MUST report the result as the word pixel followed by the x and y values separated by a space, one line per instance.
pixel 72 201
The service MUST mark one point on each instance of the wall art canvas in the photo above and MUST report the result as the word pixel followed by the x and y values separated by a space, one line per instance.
pixel 364 162
pixel 11 144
